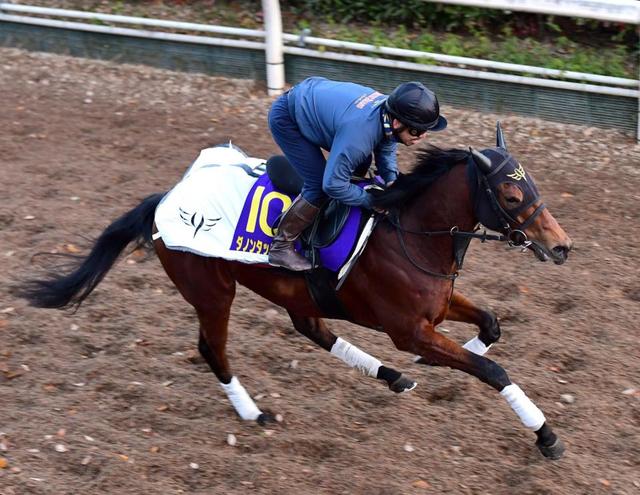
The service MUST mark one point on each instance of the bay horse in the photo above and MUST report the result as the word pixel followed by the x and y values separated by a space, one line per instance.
pixel 402 284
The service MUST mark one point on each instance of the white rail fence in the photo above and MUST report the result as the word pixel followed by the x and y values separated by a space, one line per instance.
pixel 625 11
pixel 275 43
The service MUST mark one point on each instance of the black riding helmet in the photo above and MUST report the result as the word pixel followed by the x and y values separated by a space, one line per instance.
pixel 415 106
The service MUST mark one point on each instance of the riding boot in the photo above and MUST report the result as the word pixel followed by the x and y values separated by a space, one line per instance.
pixel 298 217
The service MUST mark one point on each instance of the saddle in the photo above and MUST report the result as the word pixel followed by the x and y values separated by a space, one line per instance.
pixel 331 241
pixel 332 216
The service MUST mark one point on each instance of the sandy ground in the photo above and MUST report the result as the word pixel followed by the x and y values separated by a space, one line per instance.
pixel 114 399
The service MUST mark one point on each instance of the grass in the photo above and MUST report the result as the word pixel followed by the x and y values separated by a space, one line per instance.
pixel 560 53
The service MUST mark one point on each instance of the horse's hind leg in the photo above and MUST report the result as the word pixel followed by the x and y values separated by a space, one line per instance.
pixel 208 285
pixel 212 343
pixel 462 309
pixel 316 330
pixel 212 346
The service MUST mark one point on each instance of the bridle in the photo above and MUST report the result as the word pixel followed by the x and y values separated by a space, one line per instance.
pixel 514 236
pixel 503 220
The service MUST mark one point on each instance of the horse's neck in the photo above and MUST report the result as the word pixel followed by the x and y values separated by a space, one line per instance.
pixel 447 203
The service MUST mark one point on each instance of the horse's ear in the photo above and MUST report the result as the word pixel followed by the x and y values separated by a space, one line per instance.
pixel 500 143
pixel 483 163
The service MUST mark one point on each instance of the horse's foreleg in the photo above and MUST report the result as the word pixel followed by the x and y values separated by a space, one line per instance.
pixel 316 330
pixel 438 350
pixel 462 309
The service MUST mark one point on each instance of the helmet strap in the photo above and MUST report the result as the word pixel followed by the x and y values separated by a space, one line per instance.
pixel 389 131
pixel 387 126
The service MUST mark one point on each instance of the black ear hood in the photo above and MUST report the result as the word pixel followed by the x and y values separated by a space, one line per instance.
pixel 482 162
pixel 481 204
pixel 504 168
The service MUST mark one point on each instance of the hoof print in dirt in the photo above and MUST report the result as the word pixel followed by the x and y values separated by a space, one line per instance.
pixel 554 451
pixel 403 384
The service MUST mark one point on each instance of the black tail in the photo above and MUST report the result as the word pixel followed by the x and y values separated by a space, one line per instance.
pixel 64 290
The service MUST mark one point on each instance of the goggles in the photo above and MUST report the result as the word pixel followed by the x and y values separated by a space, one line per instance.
pixel 416 132
pixel 411 130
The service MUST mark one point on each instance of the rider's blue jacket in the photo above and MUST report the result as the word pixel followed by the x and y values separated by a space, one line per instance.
pixel 346 120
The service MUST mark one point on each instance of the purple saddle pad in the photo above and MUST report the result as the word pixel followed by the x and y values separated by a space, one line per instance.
pixel 262 207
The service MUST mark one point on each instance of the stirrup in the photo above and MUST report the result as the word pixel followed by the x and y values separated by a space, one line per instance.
pixel 286 257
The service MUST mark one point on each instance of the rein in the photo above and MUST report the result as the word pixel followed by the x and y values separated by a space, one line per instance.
pixel 454 232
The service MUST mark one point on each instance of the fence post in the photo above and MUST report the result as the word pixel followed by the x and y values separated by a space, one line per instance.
pixel 273 51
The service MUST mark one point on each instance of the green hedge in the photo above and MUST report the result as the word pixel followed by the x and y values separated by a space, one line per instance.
pixel 406 12
pixel 461 19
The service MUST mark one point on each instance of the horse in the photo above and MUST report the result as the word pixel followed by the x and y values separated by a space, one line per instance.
pixel 402 284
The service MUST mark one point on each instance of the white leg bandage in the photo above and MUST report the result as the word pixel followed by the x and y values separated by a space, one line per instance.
pixel 528 412
pixel 356 358
pixel 476 346
pixel 241 400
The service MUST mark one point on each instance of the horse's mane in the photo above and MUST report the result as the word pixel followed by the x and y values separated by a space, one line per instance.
pixel 431 163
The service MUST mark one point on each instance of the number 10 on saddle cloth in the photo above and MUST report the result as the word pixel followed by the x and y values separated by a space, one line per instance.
pixel 225 207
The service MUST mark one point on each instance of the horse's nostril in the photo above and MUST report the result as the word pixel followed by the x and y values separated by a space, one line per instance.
pixel 562 251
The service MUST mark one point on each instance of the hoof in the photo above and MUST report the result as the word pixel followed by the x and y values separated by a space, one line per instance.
pixel 402 384
pixel 419 360
pixel 265 418
pixel 553 451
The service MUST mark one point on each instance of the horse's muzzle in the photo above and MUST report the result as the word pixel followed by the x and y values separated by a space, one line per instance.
pixel 560 254
pixel 557 254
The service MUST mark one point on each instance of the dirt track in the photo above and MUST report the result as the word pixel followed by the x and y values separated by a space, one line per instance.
pixel 120 386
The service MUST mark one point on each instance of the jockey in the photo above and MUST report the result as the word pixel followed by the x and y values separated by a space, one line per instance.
pixel 353 123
